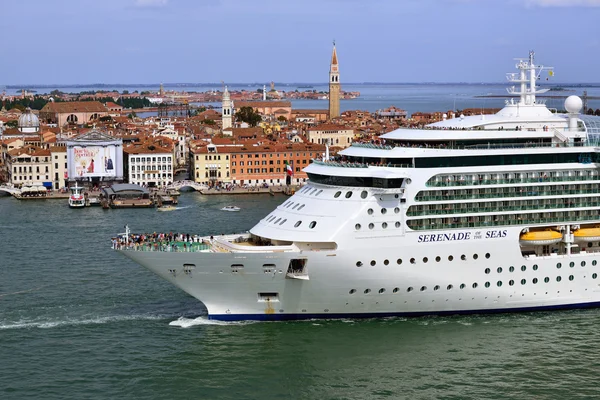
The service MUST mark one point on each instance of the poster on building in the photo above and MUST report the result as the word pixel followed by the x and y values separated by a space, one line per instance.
pixel 91 161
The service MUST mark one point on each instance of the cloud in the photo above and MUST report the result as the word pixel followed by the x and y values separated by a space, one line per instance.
pixel 151 3
pixel 564 3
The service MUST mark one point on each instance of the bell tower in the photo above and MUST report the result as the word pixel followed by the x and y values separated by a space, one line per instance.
pixel 226 111
pixel 334 86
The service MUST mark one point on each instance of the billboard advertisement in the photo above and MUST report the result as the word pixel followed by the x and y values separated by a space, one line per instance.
pixel 94 161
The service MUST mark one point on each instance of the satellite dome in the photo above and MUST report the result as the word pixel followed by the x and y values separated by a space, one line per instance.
pixel 573 104
pixel 29 122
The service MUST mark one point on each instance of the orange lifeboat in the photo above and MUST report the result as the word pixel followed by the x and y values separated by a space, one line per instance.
pixel 587 234
pixel 540 238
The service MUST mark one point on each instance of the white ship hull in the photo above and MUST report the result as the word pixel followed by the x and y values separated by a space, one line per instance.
pixel 332 275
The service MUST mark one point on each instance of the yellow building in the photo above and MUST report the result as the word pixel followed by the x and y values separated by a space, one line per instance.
pixel 210 164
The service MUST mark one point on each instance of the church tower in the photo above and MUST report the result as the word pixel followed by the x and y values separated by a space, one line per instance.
pixel 227 110
pixel 334 86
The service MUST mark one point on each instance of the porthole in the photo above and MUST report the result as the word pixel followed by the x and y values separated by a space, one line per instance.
pixel 412 261
pixel 438 259
pixel 382 290
pixel 499 283
pixel 523 268
pixel 312 224
pixel 511 282
pixel 594 263
pixel 409 289
pixel 297 224
pixel 397 210
pixel 558 265
pixel 384 211
pixel 546 279
pixel 487 271
pixel 367 291
pixel 370 211
pixel 399 261
pixel 450 258
pixel 558 279
pixel 449 287
pixel 384 225
pixel 475 256
pixel 359 264
pixel 534 280
pixel 571 264
pixel 373 262
pixel 423 288
pixel 523 281
pixel 436 287
pixel 408 181
pixel 337 194
pixel 499 270
pixel 487 284
pixel 594 275
pixel 474 286
pixel 352 291
pixel 462 285
pixel 397 224
pixel 364 194
pixel 357 227
pixel 395 290
pixel 511 269
pixel 583 263
pixel 386 262
pixel 371 225
pixel 463 257
pixel 571 277
pixel 348 195
pixel 487 255
pixel 425 259
pixel 535 267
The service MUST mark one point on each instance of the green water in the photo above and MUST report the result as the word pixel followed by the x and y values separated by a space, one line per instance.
pixel 78 321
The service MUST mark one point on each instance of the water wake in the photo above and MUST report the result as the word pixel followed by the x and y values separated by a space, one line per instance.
pixel 25 324
pixel 183 322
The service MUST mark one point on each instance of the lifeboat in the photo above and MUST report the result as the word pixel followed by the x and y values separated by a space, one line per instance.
pixel 540 238
pixel 587 234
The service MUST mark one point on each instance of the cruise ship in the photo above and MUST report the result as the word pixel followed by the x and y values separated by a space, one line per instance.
pixel 477 214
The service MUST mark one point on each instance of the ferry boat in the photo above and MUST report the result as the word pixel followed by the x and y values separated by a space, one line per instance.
pixel 76 199
pixel 476 214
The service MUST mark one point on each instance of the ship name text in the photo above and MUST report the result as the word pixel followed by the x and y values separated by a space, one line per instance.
pixel 449 237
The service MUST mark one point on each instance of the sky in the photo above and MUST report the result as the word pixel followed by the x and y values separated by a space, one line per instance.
pixel 248 41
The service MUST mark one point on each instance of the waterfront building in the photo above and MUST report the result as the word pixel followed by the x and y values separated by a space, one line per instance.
pixel 149 165
pixel 29 166
pixel 332 134
pixel 391 113
pixel 59 167
pixel 211 164
pixel 227 111
pixel 334 86
pixel 309 116
pixel 95 156
pixel 73 112
pixel 114 110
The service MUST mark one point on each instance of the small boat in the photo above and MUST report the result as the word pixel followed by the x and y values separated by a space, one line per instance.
pixel 230 208
pixel 76 199
pixel 167 208
pixel 540 238
pixel 587 234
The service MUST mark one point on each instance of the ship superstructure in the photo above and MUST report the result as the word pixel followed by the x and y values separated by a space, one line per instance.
pixel 489 213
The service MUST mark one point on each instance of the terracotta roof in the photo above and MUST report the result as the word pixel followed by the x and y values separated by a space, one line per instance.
pixel 329 127
pixel 262 104
pixel 74 106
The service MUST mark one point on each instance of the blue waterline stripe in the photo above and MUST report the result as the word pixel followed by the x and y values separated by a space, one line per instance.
pixel 287 317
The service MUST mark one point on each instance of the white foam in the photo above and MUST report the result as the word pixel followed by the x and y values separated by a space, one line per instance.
pixel 183 322
pixel 73 322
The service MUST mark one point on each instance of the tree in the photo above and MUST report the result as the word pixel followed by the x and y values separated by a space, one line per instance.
pixel 132 115
pixel 248 115
pixel 281 118
pixel 13 123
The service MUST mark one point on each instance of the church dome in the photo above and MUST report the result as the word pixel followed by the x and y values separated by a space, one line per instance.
pixel 29 122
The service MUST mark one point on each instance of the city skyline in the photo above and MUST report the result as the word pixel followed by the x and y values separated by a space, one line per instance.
pixel 149 41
